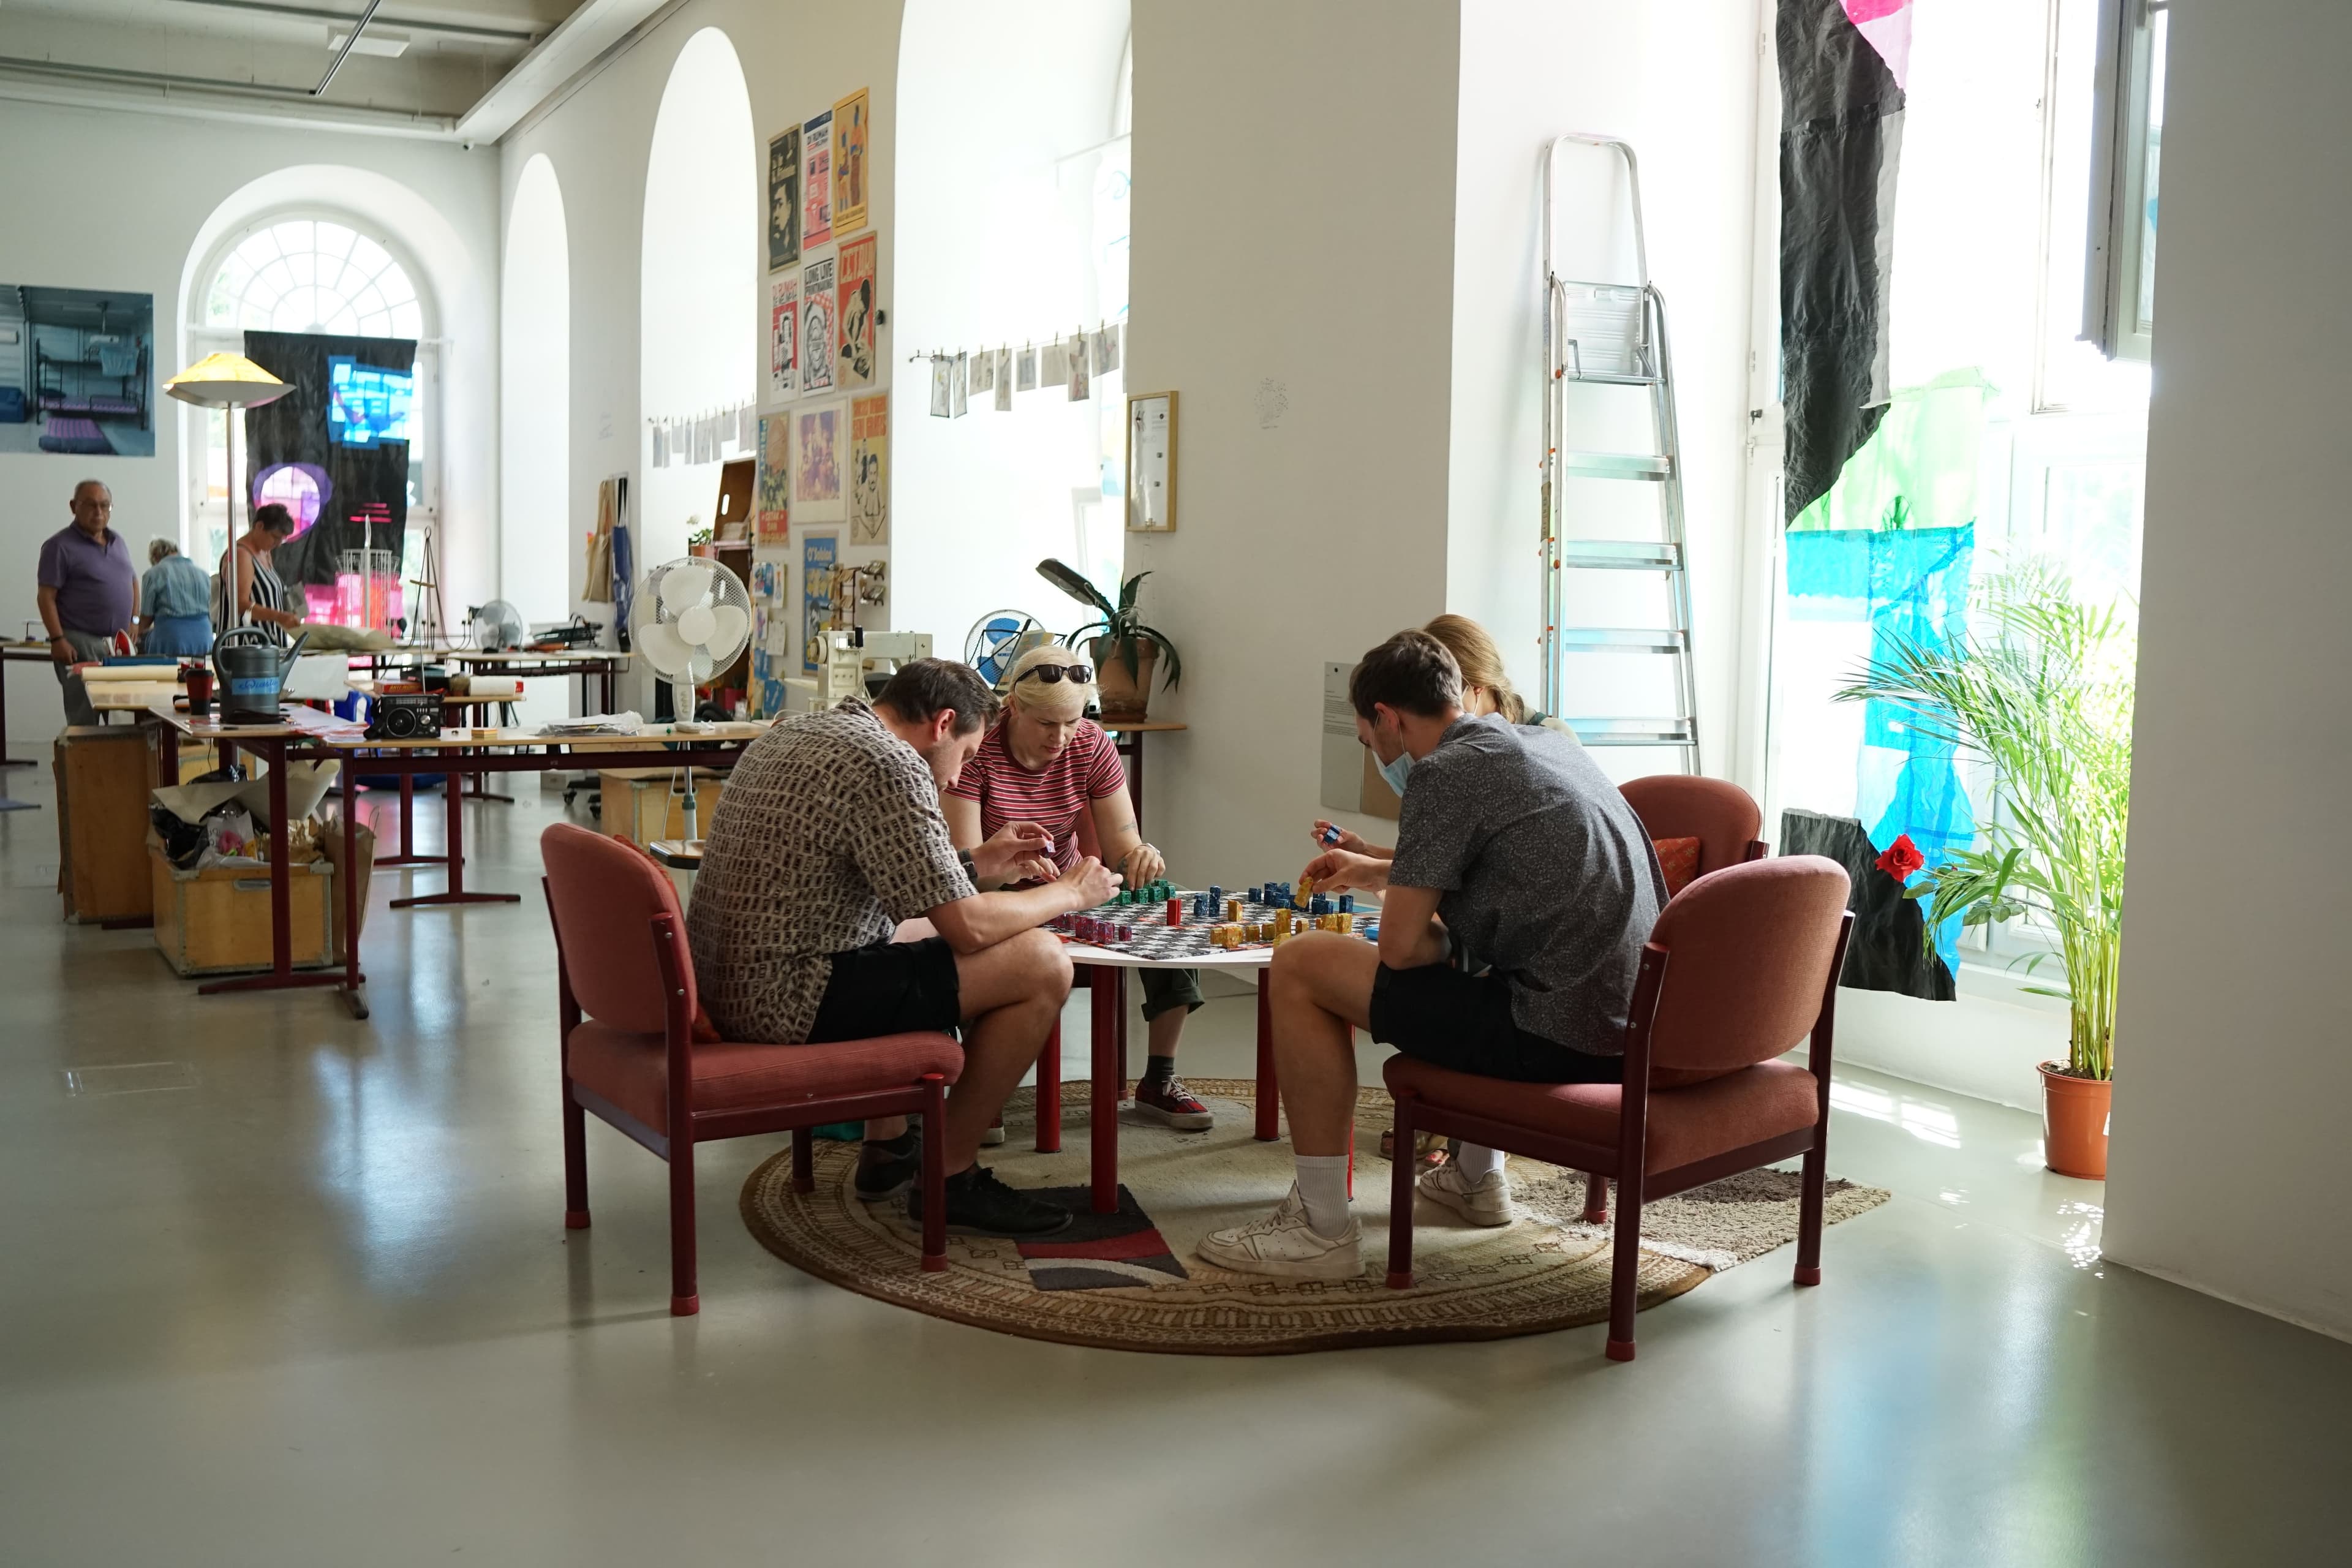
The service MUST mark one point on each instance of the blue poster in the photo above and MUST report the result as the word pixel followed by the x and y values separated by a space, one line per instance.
pixel 818 552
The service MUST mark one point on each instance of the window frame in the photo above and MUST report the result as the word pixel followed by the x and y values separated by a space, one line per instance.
pixel 2116 317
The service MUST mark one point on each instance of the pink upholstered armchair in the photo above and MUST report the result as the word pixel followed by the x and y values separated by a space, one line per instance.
pixel 1738 969
pixel 1722 816
pixel 626 1005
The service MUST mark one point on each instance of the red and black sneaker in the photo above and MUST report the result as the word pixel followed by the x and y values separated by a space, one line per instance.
pixel 1167 1100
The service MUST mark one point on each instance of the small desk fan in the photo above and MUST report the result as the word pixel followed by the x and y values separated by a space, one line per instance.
pixel 694 616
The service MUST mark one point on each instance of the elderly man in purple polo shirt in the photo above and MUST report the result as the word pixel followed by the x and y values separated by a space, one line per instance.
pixel 89 591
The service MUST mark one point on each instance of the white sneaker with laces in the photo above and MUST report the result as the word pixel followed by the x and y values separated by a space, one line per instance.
pixel 1486 1200
pixel 1286 1247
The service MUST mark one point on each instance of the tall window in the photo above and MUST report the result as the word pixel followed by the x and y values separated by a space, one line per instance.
pixel 309 275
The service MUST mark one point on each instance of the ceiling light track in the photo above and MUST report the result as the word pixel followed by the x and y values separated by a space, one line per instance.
pixel 192 94
pixel 345 52
pixel 524 35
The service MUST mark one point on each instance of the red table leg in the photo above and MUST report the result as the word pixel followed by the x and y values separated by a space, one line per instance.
pixel 349 880
pixel 1270 1092
pixel 1109 985
pixel 1049 1093
pixel 408 856
pixel 453 792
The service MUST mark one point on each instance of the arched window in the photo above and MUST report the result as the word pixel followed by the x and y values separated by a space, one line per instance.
pixel 317 272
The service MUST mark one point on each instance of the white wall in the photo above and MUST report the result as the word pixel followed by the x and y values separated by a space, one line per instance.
pixel 1680 85
pixel 2233 1070
pixel 134 223
pixel 535 400
pixel 996 246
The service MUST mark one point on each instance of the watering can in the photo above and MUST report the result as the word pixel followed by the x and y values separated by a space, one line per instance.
pixel 251 674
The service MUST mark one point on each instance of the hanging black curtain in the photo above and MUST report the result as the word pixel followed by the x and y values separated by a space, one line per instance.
pixel 1889 950
pixel 1841 136
pixel 364 488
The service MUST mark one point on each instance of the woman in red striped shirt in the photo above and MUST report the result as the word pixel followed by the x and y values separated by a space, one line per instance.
pixel 1045 761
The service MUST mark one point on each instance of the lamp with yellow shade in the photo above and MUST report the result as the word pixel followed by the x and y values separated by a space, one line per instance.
pixel 227 382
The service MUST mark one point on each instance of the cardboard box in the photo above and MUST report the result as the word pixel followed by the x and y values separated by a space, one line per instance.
pixel 646 804
pixel 103 775
pixel 216 922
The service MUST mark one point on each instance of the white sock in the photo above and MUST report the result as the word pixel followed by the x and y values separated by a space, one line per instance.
pixel 1323 1187
pixel 1477 1162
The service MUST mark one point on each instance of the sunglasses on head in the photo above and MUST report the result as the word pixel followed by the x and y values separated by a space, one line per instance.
pixel 1053 674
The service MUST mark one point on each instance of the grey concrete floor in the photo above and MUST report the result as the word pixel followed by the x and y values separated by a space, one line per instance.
pixel 298 1293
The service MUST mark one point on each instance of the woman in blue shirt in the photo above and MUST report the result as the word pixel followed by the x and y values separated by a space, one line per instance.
pixel 174 603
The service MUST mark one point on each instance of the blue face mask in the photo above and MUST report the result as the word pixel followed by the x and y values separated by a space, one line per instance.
pixel 1395 772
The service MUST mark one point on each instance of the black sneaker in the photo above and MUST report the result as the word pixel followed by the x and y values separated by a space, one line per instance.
pixel 980 1205
pixel 885 1170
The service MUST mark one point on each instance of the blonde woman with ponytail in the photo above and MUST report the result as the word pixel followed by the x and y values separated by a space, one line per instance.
pixel 1485 685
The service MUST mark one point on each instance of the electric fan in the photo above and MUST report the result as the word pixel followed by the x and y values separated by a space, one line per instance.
pixel 693 617
pixel 495 625
pixel 997 641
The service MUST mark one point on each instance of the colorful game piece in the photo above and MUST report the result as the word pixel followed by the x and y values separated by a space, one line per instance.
pixel 1176 911
pixel 1331 836
pixel 1346 903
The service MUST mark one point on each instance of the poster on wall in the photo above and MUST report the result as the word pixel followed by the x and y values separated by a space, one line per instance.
pixel 771 508
pixel 958 371
pixel 77 372
pixel 816 182
pixel 870 469
pixel 817 464
pixel 818 552
pixel 940 387
pixel 783 336
pixel 816 326
pixel 849 138
pixel 855 313
pixel 1024 375
pixel 1003 376
pixel 771 642
pixel 1080 382
pixel 982 373
pixel 784 199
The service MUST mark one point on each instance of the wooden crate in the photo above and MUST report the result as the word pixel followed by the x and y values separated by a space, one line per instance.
pixel 646 804
pixel 216 922
pixel 103 777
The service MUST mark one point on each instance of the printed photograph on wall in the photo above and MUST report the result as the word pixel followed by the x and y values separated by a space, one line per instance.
pixel 856 292
pixel 816 326
pixel 939 363
pixel 816 182
pixel 982 373
pixel 77 372
pixel 818 552
pixel 784 199
pixel 1080 382
pixel 869 470
pixel 783 336
pixel 959 373
pixel 772 507
pixel 1003 376
pixel 817 464
pixel 850 126
pixel 1024 375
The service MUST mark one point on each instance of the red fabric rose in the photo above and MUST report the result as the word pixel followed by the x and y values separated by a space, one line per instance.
pixel 1902 860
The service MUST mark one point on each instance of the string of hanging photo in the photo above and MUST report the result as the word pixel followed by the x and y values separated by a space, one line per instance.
pixel 683 442
pixel 1070 365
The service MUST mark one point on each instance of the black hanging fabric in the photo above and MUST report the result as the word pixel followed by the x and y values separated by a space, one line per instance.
pixel 1841 138
pixel 360 479
pixel 1888 951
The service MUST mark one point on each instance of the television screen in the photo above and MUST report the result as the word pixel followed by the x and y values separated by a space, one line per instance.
pixel 367 404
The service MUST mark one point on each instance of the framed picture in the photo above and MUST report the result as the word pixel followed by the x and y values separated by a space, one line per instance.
pixel 784 199
pixel 849 149
pixel 1151 462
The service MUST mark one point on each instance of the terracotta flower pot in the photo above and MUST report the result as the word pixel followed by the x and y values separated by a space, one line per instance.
pixel 2074 1123
pixel 1124 697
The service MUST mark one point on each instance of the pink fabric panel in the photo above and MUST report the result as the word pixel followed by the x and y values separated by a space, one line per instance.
pixel 1721 816
pixel 1749 957
pixel 631 1069
pixel 1684 1125
pixel 606 895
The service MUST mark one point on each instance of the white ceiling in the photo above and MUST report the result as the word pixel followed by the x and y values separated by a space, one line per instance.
pixel 265 58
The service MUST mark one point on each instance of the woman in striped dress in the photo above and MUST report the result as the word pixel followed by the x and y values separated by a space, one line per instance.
pixel 1045 761
pixel 248 591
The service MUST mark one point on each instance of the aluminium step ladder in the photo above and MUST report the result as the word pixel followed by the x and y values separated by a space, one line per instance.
pixel 1613 334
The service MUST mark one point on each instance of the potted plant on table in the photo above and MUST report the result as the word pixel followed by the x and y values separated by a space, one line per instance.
pixel 2041 688
pixel 1126 652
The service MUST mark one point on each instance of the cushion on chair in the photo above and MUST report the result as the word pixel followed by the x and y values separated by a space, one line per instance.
pixel 1678 858
pixel 1686 1125
pixel 631 1069
pixel 1724 817
pixel 1748 952
pixel 606 895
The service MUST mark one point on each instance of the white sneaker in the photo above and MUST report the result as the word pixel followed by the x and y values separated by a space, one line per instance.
pixel 1486 1200
pixel 1285 1245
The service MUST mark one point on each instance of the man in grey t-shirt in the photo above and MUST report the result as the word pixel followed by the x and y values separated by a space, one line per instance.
pixel 1518 897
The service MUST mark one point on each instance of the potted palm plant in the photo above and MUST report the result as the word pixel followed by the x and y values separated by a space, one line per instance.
pixel 1126 652
pixel 2040 688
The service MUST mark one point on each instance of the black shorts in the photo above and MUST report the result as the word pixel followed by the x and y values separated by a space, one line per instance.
pixel 890 988
pixel 1440 1016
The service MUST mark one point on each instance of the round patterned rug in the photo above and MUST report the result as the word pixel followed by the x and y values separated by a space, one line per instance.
pixel 1131 1280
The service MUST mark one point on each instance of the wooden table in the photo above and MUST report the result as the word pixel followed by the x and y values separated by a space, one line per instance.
pixel 16 652
pixel 1127 739
pixel 305 735
pixel 603 664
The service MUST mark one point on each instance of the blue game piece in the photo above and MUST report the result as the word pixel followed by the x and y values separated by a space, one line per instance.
pixel 1346 903
pixel 1216 894
pixel 1331 836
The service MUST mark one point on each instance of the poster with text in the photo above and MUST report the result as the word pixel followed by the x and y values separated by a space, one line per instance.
pixel 818 552
pixel 816 182
pixel 869 470
pixel 816 326
pixel 784 199
pixel 77 379
pixel 855 291
pixel 771 623
pixel 772 508
pixel 783 336
pixel 817 464
pixel 849 148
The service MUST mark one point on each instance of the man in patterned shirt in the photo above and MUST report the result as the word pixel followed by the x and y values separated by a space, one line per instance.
pixel 832 905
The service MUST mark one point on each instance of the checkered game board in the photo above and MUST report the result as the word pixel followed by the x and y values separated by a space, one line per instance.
pixel 1153 938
